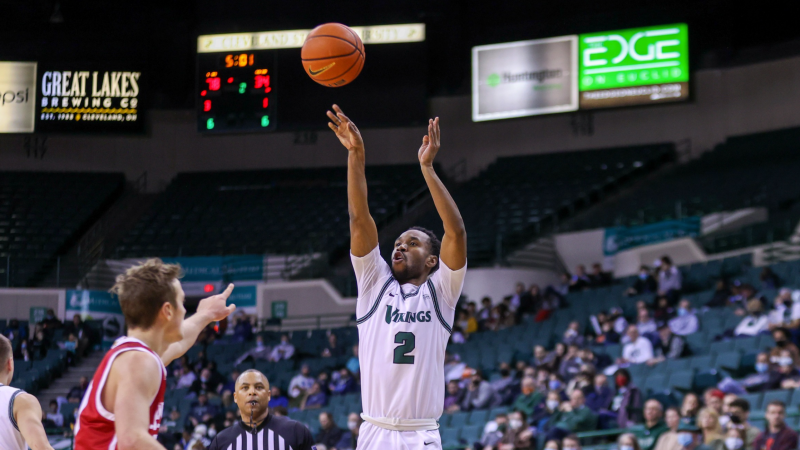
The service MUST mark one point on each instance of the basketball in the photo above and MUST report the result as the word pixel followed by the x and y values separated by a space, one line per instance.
pixel 333 55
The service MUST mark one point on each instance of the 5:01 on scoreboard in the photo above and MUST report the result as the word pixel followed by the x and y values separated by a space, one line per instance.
pixel 236 92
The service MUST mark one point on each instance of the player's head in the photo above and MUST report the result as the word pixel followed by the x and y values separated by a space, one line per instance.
pixel 252 394
pixel 6 360
pixel 415 254
pixel 151 296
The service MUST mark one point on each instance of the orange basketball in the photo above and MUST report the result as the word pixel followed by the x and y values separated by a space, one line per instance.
pixel 333 55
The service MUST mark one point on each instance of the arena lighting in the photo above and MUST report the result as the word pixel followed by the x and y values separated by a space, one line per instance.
pixel 265 40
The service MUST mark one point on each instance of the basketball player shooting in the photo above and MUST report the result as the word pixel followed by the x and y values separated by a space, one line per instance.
pixel 405 309
pixel 124 403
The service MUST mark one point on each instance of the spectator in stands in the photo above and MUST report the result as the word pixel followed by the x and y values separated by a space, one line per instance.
pixel 583 380
pixel 277 398
pixel 542 359
pixel 638 350
pixel 242 329
pixel 572 335
pixel 79 390
pixel 556 384
pixel 670 346
pixel 479 395
pixel 50 323
pixel 713 398
pixel 654 426
pixel 598 277
pixel 329 434
pixel 518 435
pixel 81 331
pixel 486 311
pixel 777 436
pixel 570 363
pixel 670 281
pixel 663 311
pixel 689 408
pixel 492 432
pixel 600 397
pixel 734 439
pixel 559 353
pixel 352 364
pixel 259 352
pixel 785 313
pixel 454 397
pixel 173 421
pixel 333 349
pixel 644 284
pixel 204 383
pixel 39 346
pixel 685 323
pixel 552 445
pixel 544 411
pixel 768 279
pixel 784 372
pixel 230 385
pixel 708 421
pixel 722 295
pixel 571 442
pixel 301 382
pixel 608 334
pixel 518 298
pixel 282 351
pixel 532 302
pixel 755 322
pixel 760 379
pixel 506 387
pixel 627 402
pixel 669 439
pixel 572 417
pixel 202 411
pixel 54 415
pixel 783 342
pixel 580 280
pixel 628 441
pixel 349 439
pixel 344 384
pixel 529 398
pixel 467 323
pixel 186 379
pixel 15 331
pixel 740 415
pixel 618 320
pixel 315 399
pixel 644 323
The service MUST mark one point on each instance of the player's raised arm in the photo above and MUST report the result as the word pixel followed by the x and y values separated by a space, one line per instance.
pixel 28 415
pixel 454 241
pixel 363 232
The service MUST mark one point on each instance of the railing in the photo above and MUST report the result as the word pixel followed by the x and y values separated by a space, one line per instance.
pixel 308 322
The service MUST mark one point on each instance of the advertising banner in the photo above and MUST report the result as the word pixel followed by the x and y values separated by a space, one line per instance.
pixel 525 78
pixel 634 66
pixel 623 238
pixel 220 268
pixel 97 305
pixel 17 97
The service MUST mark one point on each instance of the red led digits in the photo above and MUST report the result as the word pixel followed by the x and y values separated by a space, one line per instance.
pixel 265 103
pixel 207 105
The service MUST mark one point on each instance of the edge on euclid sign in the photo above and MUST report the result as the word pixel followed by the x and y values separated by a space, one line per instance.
pixel 265 40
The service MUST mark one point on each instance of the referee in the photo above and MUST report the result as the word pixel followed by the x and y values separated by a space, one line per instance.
pixel 257 429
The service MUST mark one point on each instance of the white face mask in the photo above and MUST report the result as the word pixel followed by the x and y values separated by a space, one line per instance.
pixel 723 420
pixel 351 425
pixel 552 405
pixel 570 448
pixel 212 432
pixel 515 424
pixel 625 447
pixel 733 443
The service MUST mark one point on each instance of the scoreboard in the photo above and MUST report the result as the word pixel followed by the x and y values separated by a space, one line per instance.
pixel 236 91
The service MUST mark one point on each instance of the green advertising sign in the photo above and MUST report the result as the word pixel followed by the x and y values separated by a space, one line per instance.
pixel 37 314
pixel 634 57
pixel 280 309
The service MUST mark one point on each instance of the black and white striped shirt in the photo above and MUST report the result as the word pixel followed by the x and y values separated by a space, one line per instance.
pixel 275 433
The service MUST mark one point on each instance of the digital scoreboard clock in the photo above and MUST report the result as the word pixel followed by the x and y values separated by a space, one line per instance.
pixel 236 91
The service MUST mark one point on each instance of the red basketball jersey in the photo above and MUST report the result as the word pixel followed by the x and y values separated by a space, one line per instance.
pixel 94 427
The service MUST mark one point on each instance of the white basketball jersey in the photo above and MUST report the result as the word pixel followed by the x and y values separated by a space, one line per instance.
pixel 10 437
pixel 403 332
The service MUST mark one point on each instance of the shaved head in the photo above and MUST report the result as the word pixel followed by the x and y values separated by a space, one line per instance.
pixel 252 378
pixel 252 396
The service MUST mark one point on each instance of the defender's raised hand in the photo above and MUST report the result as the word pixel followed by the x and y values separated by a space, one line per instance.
pixel 430 143
pixel 213 308
pixel 345 130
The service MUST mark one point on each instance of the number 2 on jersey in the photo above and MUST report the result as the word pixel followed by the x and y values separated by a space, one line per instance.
pixel 408 341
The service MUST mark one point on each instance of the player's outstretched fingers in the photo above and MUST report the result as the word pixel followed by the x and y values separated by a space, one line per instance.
pixel 333 117
pixel 227 292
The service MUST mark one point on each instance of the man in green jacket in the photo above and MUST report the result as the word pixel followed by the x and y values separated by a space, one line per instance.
pixel 572 417
pixel 529 399
pixel 654 426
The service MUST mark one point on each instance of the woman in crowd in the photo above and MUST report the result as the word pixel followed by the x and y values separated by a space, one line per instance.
pixel 627 441
pixel 689 408
pixel 708 421
pixel 669 439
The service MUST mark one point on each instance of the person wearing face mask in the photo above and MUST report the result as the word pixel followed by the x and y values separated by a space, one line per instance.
pixel 644 284
pixel 759 380
pixel 627 403
pixel 627 441
pixel 782 342
pixel 600 397
pixel 349 438
pixel 518 436
pixel 572 417
pixel 571 363
pixel 545 410
pixel 689 437
pixel 507 387
pixel 685 322
pixel 493 432
pixel 754 322
pixel 784 371
pixel 739 412
pixel 552 445
pixel 571 442
pixel 282 351
pixel 734 439
pixel 259 352
pixel 479 395
pixel 529 398
pixel 669 439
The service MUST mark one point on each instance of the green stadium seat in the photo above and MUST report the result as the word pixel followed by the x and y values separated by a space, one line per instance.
pixel 682 380
pixel 729 360
pixel 755 399
pixel 782 395
pixel 458 419
pixel 478 417
pixel 471 433
pixel 449 437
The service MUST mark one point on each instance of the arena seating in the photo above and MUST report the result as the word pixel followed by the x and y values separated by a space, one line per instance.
pixel 709 363
pixel 41 212
pixel 35 375
pixel 518 195
pixel 724 179
pixel 264 211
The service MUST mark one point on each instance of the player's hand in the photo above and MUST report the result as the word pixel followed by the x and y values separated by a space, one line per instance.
pixel 345 130
pixel 214 307
pixel 430 143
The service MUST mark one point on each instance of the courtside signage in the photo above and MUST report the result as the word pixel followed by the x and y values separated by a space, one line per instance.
pixel 525 78
pixel 17 97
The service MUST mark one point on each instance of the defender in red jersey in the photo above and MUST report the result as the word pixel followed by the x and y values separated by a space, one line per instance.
pixel 124 402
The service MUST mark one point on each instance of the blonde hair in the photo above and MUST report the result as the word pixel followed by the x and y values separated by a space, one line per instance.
pixel 716 432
